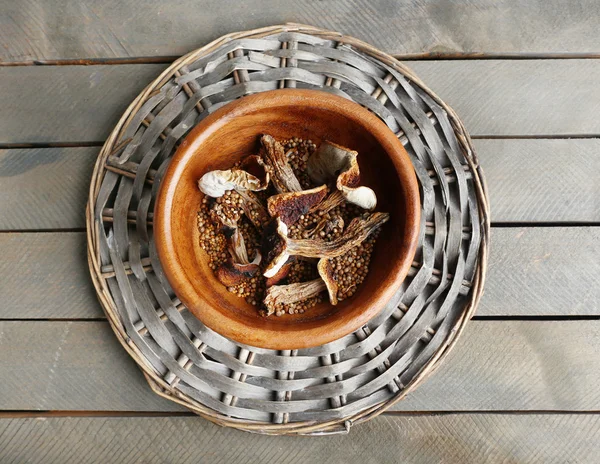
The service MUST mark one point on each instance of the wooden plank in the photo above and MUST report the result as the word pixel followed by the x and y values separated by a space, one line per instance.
pixel 46 276
pixel 46 30
pixel 532 272
pixel 44 188
pixel 518 98
pixel 496 366
pixel 528 180
pixel 494 97
pixel 449 438
pixel 67 103
pixel 543 272
pixel 542 180
pixel 516 365
pixel 70 365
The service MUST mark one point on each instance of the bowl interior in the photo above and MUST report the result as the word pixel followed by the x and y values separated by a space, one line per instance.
pixel 233 132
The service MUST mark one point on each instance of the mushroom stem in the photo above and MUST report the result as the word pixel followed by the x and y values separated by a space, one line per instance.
pixel 236 244
pixel 237 248
pixel 356 232
pixel 292 293
pixel 281 172
pixel 326 272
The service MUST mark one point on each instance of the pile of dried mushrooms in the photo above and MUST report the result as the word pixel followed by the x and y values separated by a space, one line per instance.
pixel 286 225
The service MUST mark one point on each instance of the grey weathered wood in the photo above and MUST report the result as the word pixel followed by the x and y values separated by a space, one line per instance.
pixel 542 180
pixel 450 438
pixel 70 365
pixel 493 97
pixel 506 97
pixel 532 272
pixel 517 365
pixel 47 30
pixel 543 272
pixel 44 188
pixel 507 365
pixel 45 275
pixel 68 103
pixel 529 181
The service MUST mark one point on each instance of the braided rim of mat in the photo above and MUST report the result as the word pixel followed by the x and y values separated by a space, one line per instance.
pixel 311 391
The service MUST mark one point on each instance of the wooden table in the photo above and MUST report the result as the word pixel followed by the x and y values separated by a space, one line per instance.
pixel 523 383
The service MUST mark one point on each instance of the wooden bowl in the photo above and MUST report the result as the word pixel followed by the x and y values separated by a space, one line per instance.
pixel 231 133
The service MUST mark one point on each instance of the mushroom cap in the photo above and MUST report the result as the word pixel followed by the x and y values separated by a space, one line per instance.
pixel 253 176
pixel 231 274
pixel 332 160
pixel 291 205
pixel 255 166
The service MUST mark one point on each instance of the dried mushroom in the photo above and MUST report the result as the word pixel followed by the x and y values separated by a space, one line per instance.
pixel 281 246
pixel 280 295
pixel 326 272
pixel 229 228
pixel 282 174
pixel 254 176
pixel 231 273
pixel 255 166
pixel 290 206
pixel 282 273
pixel 254 210
pixel 216 183
pixel 237 247
pixel 334 200
pixel 274 247
pixel 312 240
pixel 332 161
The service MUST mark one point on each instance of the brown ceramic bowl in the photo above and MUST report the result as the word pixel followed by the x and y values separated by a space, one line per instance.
pixel 231 133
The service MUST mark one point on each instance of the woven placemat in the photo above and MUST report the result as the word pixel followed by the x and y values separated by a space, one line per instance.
pixel 311 391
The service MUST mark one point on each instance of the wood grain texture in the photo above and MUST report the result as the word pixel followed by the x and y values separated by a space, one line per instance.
pixel 542 180
pixel 45 187
pixel 47 30
pixel 45 276
pixel 529 181
pixel 543 272
pixel 516 365
pixel 532 272
pixel 419 439
pixel 493 97
pixel 516 98
pixel 496 366
pixel 70 365
pixel 68 103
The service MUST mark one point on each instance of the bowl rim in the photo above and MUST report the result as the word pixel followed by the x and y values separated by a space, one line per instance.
pixel 268 337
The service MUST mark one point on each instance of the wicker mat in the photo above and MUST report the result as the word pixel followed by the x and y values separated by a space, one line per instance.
pixel 310 391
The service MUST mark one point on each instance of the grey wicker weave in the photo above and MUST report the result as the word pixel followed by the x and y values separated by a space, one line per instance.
pixel 311 391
